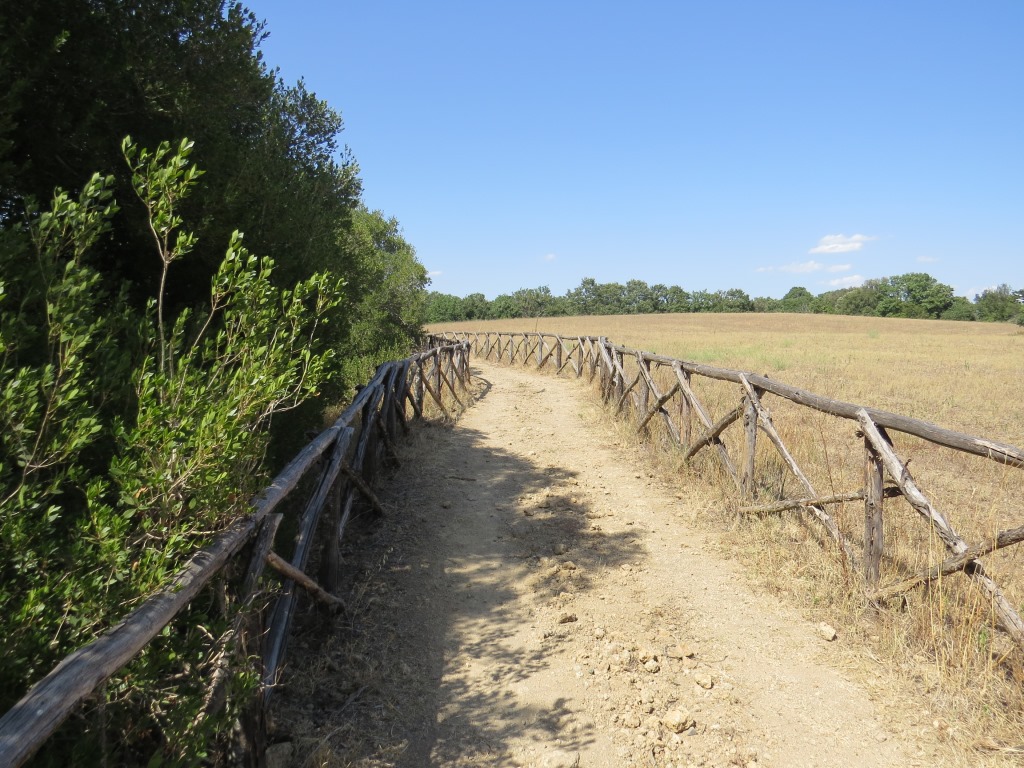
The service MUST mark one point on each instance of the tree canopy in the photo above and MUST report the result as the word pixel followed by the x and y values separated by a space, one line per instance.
pixel 913 295
pixel 148 346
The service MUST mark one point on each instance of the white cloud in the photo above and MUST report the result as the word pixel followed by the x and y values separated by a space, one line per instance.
pixel 926 259
pixel 550 257
pixel 435 273
pixel 839 268
pixel 841 243
pixel 850 281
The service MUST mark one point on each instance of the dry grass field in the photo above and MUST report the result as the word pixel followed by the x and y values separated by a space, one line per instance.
pixel 961 376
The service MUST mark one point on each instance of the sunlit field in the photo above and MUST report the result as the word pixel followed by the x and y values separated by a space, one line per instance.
pixel 964 376
pixel 961 376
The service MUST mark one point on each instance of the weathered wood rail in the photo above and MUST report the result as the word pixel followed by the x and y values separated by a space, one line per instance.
pixel 659 389
pixel 348 454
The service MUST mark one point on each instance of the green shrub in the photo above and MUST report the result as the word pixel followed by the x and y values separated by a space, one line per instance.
pixel 127 440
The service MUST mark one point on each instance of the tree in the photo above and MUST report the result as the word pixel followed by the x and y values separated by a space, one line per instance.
pixel 862 300
pixel 703 301
pixel 960 309
pixel 638 299
pixel 385 293
pixel 1001 304
pixel 503 307
pixel 443 308
pixel 84 74
pixel 733 300
pixel 767 304
pixel 678 300
pixel 585 299
pixel 797 299
pixel 476 307
pixel 532 302
pixel 915 294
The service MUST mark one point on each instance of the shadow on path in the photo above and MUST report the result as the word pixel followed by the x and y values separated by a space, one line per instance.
pixel 452 641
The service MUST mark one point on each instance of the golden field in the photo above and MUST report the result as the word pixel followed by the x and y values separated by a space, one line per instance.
pixel 964 376
pixel 961 376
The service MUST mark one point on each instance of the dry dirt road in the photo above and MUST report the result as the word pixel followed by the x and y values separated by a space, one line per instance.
pixel 534 598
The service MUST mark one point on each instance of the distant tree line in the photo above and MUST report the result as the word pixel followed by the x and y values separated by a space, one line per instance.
pixel 913 295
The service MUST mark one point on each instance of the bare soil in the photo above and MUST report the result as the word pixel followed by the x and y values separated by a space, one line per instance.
pixel 535 598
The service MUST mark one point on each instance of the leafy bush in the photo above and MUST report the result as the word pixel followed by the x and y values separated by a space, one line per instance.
pixel 129 438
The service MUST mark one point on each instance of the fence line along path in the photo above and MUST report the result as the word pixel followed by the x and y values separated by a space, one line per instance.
pixel 344 459
pixel 659 391
pixel 551 604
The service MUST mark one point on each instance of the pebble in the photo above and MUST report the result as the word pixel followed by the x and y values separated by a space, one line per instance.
pixel 680 652
pixel 826 632
pixel 704 680
pixel 560 758
pixel 677 721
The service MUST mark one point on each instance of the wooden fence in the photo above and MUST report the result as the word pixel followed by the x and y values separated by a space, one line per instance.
pixel 347 454
pixel 660 389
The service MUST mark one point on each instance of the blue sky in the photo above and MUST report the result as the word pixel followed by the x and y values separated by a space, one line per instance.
pixel 712 145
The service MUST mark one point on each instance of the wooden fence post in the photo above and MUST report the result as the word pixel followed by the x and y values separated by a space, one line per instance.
pixel 685 416
pixel 620 384
pixel 873 521
pixel 436 358
pixel 750 430
pixel 645 393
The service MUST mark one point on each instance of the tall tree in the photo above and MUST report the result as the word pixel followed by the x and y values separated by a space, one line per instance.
pixel 1000 304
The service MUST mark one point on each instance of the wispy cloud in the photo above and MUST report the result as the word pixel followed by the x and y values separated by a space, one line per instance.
pixel 927 259
pixel 841 243
pixel 550 257
pixel 850 281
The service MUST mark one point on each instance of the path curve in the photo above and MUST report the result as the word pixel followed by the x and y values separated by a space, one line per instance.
pixel 549 605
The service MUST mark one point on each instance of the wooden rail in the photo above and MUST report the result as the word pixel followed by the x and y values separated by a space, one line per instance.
pixel 629 379
pixel 356 444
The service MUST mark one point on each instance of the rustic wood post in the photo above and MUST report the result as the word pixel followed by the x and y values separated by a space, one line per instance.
pixel 620 384
pixel 750 430
pixel 558 353
pixel 330 567
pixel 1004 611
pixel 645 393
pixel 436 358
pixel 873 522
pixel 418 391
pixel 685 417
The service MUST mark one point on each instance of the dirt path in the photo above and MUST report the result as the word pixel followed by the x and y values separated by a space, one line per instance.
pixel 545 603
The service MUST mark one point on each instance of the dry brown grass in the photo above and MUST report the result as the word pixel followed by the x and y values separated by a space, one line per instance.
pixel 962 376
